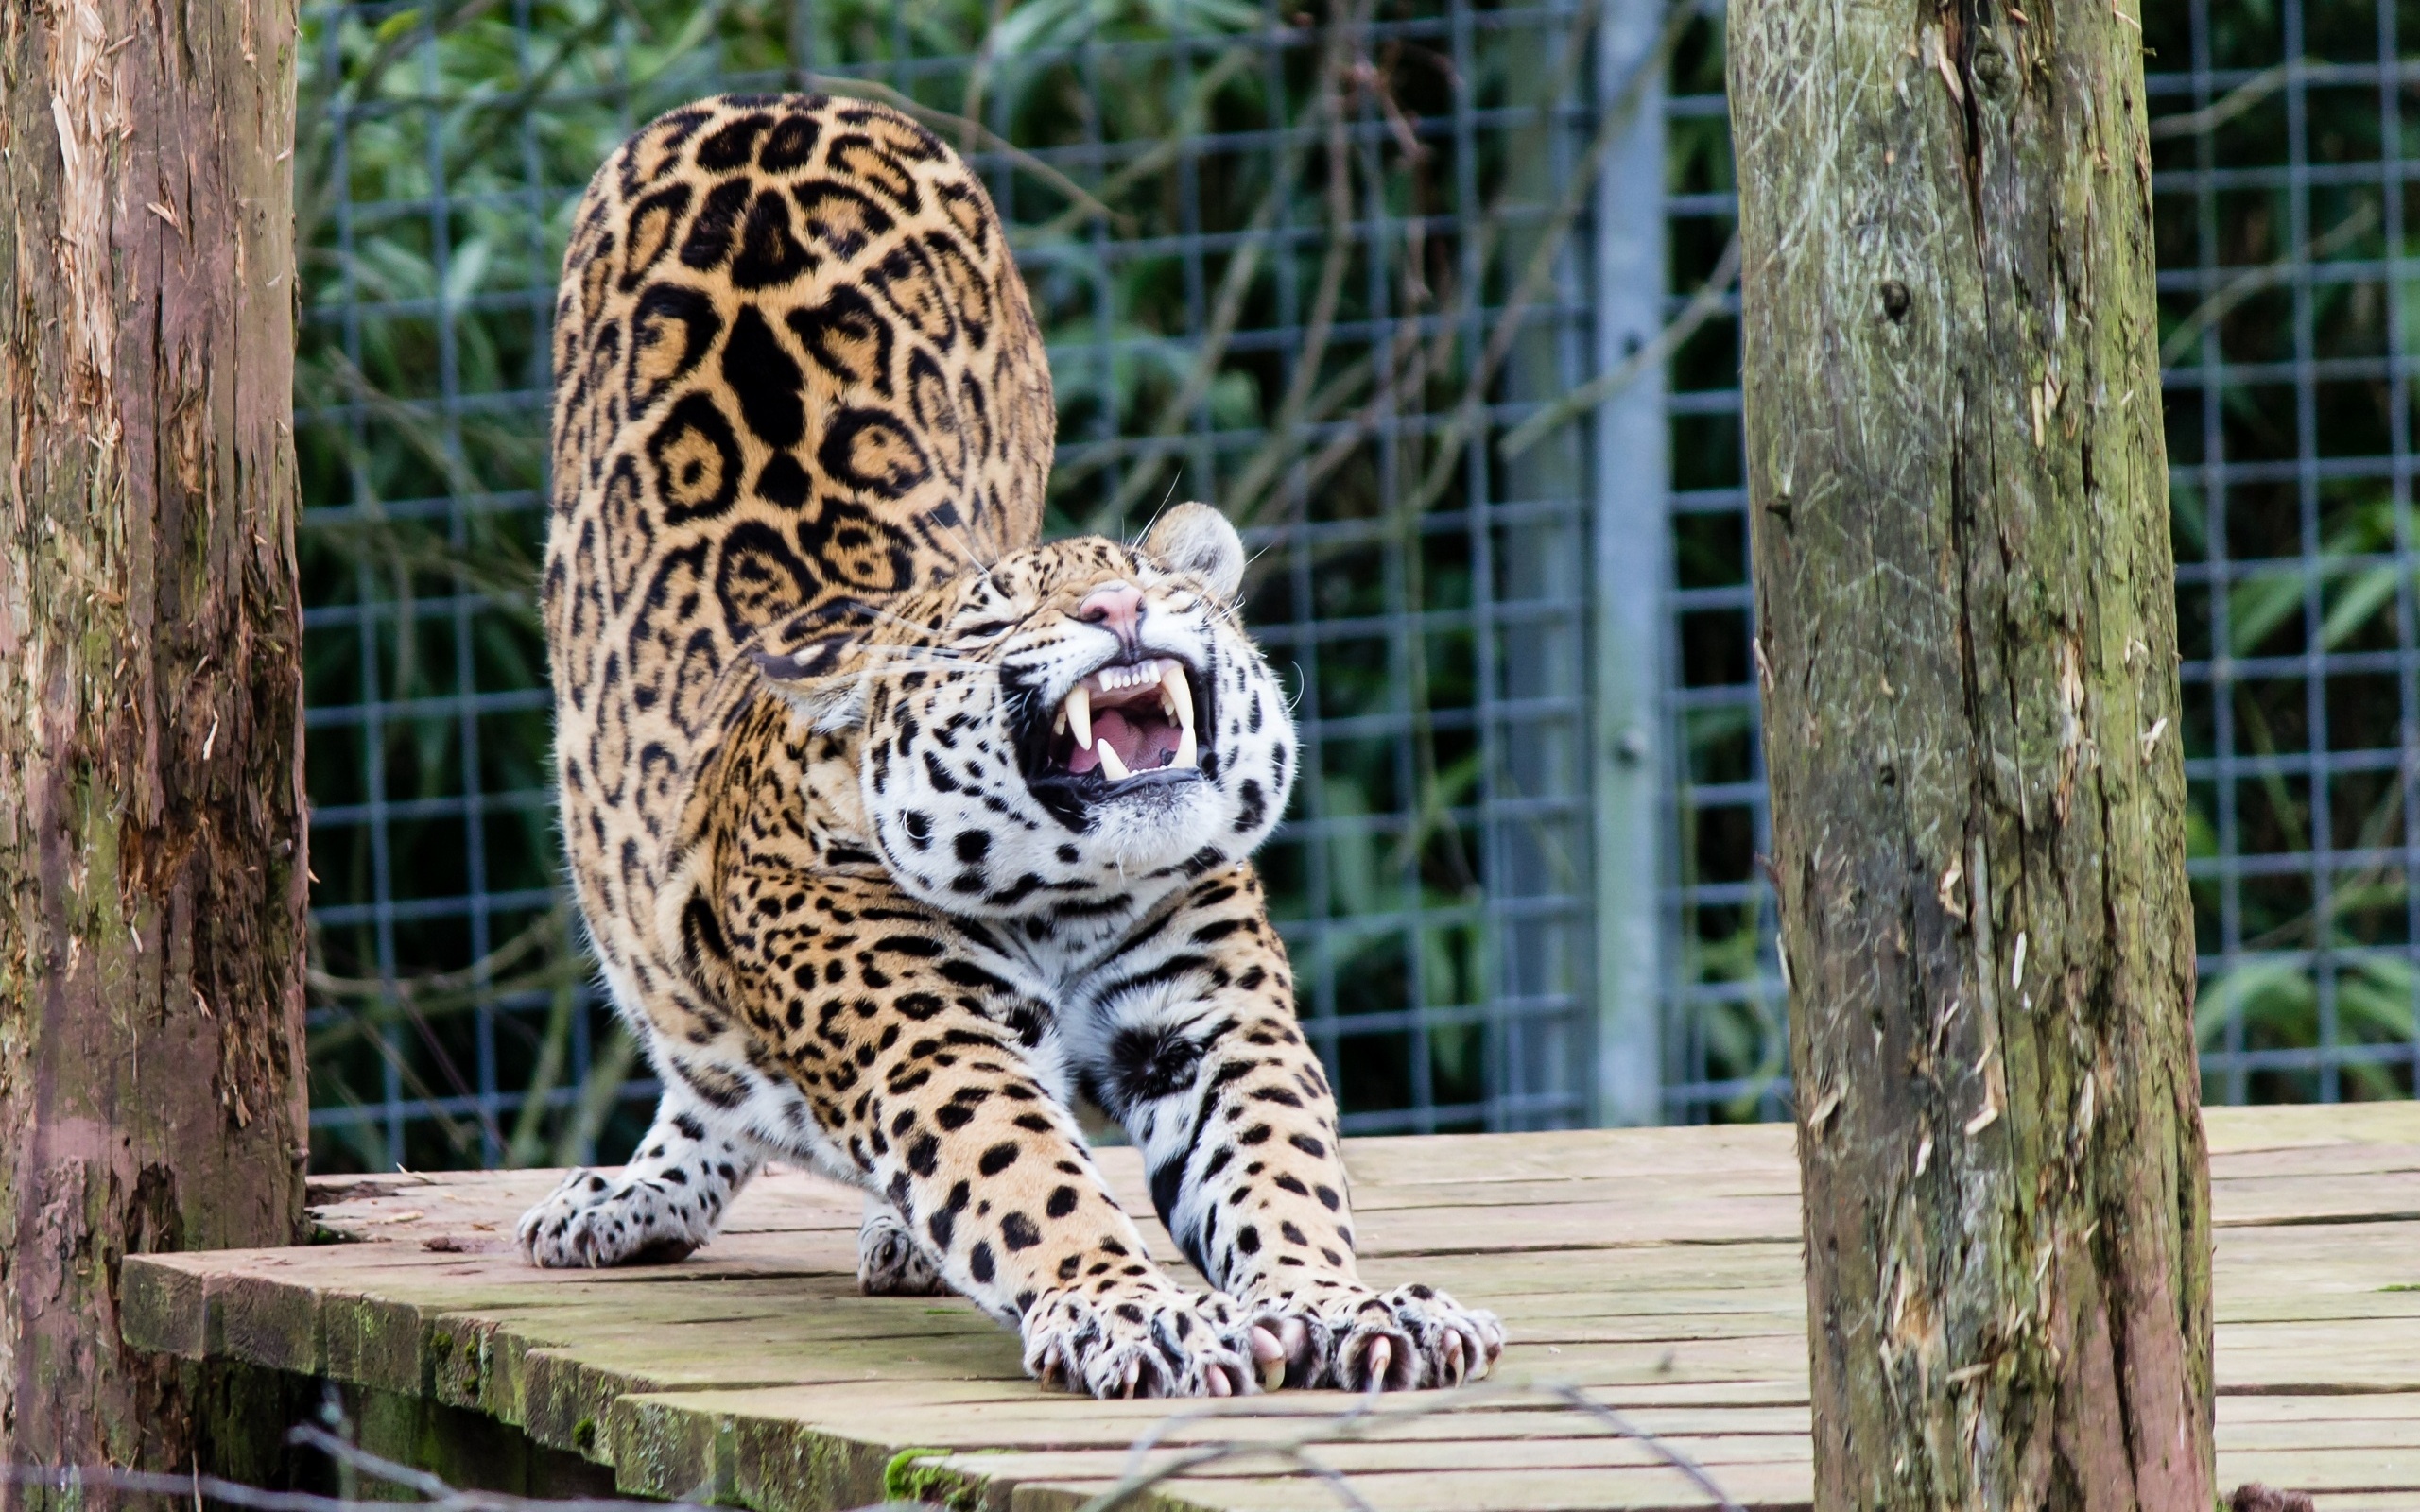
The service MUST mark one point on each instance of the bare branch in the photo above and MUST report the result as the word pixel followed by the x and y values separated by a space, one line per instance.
pixel 1630 1429
pixel 1703 306
pixel 1369 1414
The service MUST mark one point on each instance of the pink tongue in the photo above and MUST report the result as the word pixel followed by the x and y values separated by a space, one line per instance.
pixel 1141 750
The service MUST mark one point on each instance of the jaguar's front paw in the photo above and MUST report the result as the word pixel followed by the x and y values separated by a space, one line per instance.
pixel 591 1219
pixel 1401 1340
pixel 890 1261
pixel 1152 1340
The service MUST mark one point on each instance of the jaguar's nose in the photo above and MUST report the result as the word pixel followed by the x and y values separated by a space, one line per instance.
pixel 1116 607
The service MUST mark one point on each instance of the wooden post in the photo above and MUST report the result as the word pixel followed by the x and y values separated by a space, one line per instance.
pixel 1967 651
pixel 152 865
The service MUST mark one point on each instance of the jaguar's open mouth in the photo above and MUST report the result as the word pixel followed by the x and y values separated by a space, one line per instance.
pixel 1121 725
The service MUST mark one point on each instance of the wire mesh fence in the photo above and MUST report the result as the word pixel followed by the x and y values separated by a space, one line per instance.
pixel 2278 134
pixel 1308 265
pixel 1386 280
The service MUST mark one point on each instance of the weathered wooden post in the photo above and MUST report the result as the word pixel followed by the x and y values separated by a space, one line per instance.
pixel 1969 667
pixel 152 870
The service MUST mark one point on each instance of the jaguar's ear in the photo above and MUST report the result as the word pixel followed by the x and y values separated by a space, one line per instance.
pixel 1195 538
pixel 821 674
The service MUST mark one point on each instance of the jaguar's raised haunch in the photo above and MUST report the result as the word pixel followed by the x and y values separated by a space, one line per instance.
pixel 895 829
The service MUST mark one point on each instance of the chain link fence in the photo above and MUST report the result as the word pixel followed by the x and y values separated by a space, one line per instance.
pixel 1306 262
pixel 1437 300
pixel 2278 135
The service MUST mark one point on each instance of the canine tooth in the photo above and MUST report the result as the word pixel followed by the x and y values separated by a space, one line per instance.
pixel 1058 726
pixel 1111 766
pixel 1178 691
pixel 1078 709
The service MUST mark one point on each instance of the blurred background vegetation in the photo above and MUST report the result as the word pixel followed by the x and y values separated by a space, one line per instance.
pixel 1324 261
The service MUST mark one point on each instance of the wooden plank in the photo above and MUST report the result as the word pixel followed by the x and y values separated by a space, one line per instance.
pixel 1521 1230
pixel 1659 1269
pixel 1660 1186
pixel 2329 1408
pixel 2327 1198
pixel 2316 1303
pixel 1484 1278
pixel 1356 1460
pixel 1632 1207
pixel 2325 1469
pixel 1049 1422
pixel 2314 1159
pixel 1411 1159
pixel 2230 1130
pixel 1649 1489
pixel 2322 1432
pixel 2303 1359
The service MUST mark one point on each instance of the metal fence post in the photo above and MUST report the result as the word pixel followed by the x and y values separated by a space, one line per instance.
pixel 1632 569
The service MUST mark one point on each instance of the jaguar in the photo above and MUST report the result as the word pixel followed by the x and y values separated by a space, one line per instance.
pixel 899 834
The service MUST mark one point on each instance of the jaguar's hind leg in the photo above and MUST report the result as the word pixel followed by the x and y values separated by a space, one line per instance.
pixel 666 1203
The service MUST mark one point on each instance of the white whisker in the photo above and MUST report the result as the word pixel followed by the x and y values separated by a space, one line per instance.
pixel 958 537
pixel 1156 512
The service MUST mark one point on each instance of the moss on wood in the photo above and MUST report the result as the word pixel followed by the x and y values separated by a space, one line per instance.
pixel 153 860
pixel 1968 657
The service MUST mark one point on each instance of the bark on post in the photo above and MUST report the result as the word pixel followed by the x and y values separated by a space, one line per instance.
pixel 152 869
pixel 1967 650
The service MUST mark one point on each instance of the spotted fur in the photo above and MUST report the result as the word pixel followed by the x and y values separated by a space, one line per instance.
pixel 806 649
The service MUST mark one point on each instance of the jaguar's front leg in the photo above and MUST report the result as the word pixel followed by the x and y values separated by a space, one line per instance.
pixel 1209 1072
pixel 906 1055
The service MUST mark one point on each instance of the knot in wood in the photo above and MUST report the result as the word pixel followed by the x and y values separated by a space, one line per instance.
pixel 1894 299
pixel 1991 66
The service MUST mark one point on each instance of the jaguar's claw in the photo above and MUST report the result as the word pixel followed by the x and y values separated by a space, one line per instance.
pixel 1269 1356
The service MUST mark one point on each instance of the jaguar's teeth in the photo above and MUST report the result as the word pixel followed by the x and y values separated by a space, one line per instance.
pixel 1111 765
pixel 1177 693
pixel 1077 710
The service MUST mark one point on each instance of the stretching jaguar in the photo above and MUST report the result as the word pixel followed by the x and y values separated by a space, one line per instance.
pixel 895 830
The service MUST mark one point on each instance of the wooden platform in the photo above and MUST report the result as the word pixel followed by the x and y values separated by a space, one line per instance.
pixel 1657 1269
